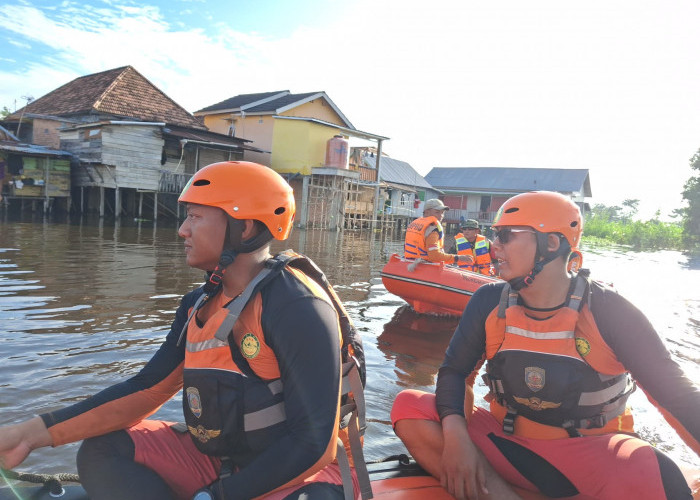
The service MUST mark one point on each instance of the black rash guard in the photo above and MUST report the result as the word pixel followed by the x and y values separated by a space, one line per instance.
pixel 623 327
pixel 301 329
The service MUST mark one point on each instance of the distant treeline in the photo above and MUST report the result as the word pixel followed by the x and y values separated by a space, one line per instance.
pixel 615 225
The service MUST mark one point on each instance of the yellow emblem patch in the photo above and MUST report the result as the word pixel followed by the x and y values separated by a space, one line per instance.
pixel 250 346
pixel 537 404
pixel 582 346
pixel 203 435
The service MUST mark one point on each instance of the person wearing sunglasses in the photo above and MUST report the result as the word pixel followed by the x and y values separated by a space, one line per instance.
pixel 425 237
pixel 563 353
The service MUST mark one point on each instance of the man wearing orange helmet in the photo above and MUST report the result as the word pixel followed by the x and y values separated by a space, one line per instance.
pixel 563 353
pixel 425 237
pixel 262 353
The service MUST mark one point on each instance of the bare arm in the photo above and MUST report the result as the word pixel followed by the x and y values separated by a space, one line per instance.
pixel 19 440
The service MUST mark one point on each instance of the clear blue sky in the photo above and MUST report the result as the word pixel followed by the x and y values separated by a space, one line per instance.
pixel 613 87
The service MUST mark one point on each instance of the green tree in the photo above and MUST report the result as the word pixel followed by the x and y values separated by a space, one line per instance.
pixel 691 213
pixel 632 206
pixel 5 112
pixel 605 212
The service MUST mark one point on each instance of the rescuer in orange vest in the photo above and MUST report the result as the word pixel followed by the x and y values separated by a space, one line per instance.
pixel 425 237
pixel 563 353
pixel 260 353
pixel 471 242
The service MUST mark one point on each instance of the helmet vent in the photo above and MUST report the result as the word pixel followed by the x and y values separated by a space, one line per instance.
pixel 201 182
pixel 279 210
pixel 574 223
pixel 511 210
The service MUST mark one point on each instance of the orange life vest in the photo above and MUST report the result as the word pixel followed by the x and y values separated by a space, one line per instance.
pixel 414 246
pixel 233 397
pixel 556 376
pixel 480 251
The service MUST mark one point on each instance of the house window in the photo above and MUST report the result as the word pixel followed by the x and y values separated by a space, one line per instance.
pixel 485 203
pixel 91 133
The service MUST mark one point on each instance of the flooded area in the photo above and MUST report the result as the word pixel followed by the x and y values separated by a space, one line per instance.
pixel 85 304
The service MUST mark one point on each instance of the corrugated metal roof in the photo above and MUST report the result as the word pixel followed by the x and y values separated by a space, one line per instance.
pixel 280 102
pixel 397 172
pixel 271 103
pixel 33 149
pixel 241 100
pixel 510 180
pixel 210 137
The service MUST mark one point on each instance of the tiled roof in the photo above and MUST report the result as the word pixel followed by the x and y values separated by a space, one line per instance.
pixel 510 180
pixel 122 92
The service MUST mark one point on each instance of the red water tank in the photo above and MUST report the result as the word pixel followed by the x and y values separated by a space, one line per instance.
pixel 337 152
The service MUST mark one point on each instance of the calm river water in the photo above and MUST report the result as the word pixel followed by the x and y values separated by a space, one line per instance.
pixel 85 304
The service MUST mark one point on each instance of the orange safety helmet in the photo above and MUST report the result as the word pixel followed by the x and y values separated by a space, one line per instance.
pixel 244 190
pixel 545 212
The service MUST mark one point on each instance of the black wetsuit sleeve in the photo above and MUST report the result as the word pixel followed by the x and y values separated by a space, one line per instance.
pixel 465 351
pixel 303 333
pixel 94 411
pixel 639 348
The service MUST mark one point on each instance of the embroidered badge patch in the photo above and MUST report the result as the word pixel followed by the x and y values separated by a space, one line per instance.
pixel 250 346
pixel 582 346
pixel 534 378
pixel 203 435
pixel 536 403
pixel 194 401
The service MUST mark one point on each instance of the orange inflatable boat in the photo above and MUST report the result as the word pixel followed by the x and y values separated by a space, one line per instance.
pixel 395 478
pixel 429 287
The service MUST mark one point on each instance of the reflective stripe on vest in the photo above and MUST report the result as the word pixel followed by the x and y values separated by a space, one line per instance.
pixel 480 251
pixel 529 373
pixel 352 413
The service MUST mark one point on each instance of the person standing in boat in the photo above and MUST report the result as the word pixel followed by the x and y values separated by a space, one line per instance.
pixel 563 353
pixel 471 242
pixel 425 237
pixel 261 353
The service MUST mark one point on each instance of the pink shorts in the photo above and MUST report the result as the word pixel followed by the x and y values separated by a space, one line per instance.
pixel 609 466
pixel 175 458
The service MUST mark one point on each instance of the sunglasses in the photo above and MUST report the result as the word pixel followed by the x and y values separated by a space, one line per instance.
pixel 505 235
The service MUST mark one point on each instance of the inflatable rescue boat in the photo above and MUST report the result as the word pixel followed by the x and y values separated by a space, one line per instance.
pixel 395 478
pixel 431 288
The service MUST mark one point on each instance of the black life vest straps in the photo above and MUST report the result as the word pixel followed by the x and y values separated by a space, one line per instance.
pixel 509 298
pixel 352 411
pixel 577 297
pixel 356 425
pixel 200 302
pixel 236 306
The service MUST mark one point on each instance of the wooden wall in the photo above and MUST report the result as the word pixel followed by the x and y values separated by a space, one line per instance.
pixel 136 152
pixel 41 177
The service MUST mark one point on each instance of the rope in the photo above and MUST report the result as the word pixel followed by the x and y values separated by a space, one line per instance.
pixel 52 481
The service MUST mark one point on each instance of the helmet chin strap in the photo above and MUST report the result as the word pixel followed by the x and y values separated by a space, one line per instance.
pixel 233 246
pixel 542 258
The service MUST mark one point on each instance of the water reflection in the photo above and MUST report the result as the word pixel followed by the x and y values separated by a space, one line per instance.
pixel 416 344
